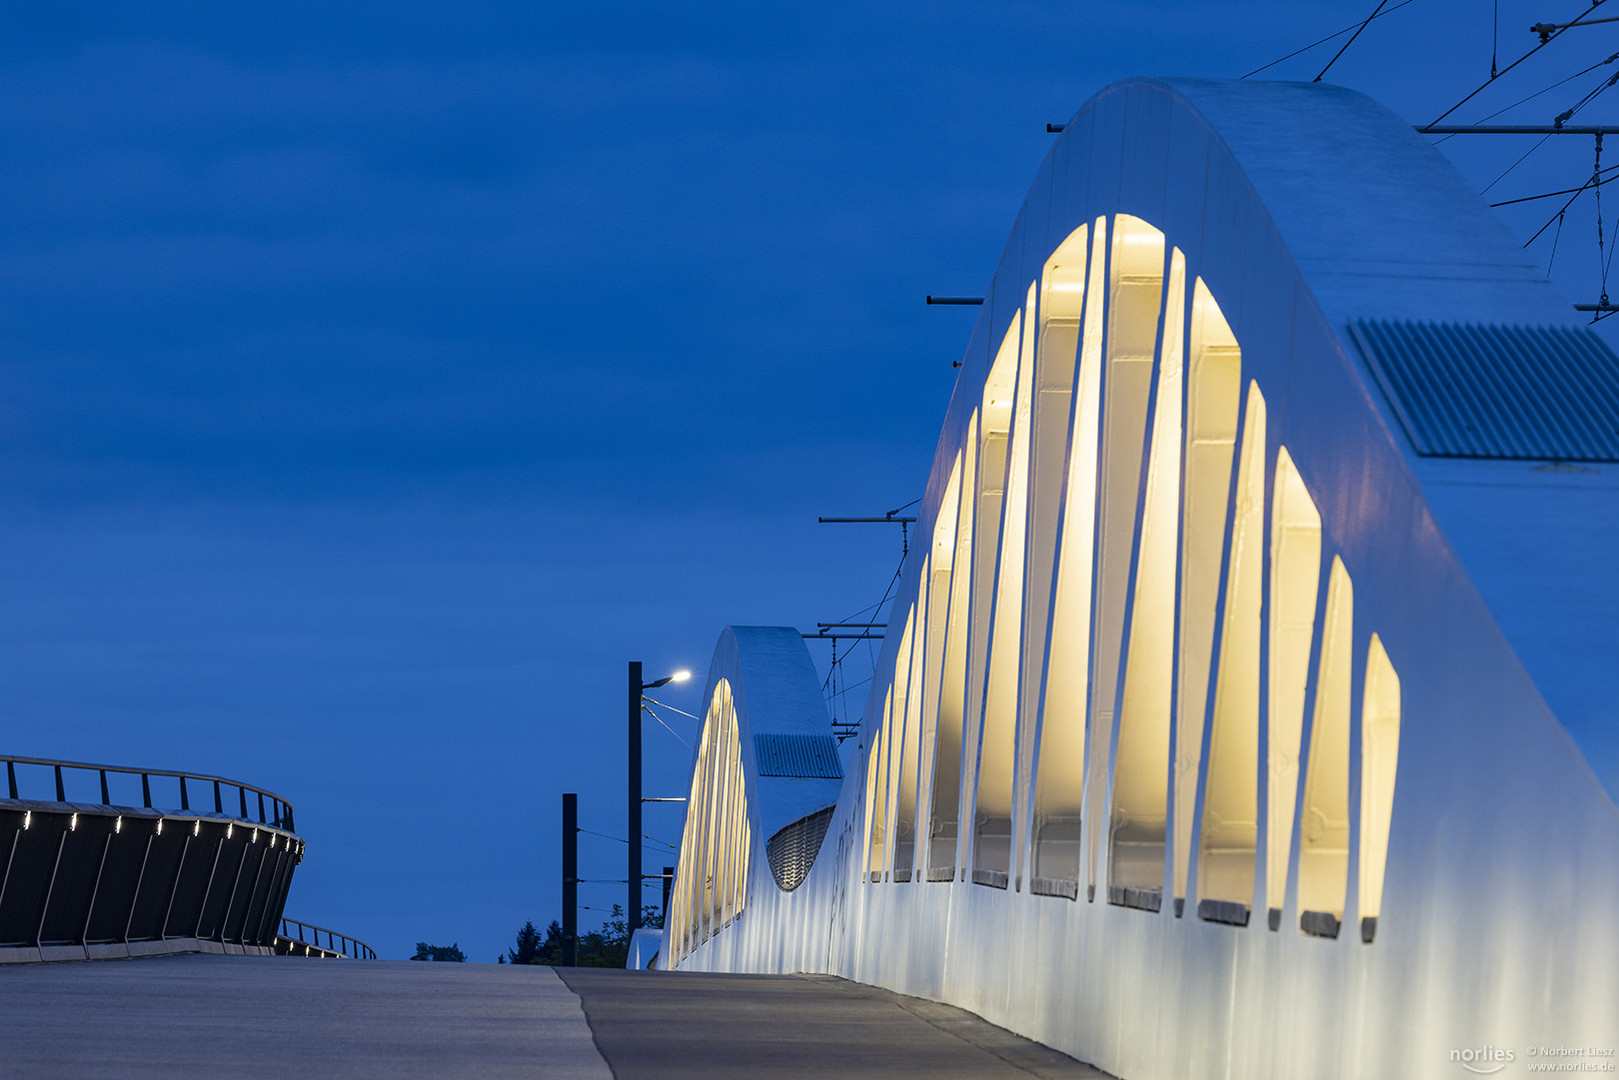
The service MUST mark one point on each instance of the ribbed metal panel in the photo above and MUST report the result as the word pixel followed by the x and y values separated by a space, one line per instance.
pixel 802 756
pixel 1536 393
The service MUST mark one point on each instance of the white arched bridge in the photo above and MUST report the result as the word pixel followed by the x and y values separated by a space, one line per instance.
pixel 1250 710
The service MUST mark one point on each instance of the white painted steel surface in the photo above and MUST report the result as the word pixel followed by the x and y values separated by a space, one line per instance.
pixel 1490 584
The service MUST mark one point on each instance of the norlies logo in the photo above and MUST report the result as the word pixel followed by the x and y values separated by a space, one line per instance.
pixel 1483 1060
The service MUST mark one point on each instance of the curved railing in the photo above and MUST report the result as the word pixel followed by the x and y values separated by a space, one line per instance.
pixel 306 942
pixel 272 809
pixel 96 864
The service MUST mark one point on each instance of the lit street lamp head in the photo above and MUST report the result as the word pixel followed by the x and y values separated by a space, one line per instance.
pixel 677 677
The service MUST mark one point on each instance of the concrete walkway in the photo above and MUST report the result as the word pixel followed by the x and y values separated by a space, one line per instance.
pixel 679 1024
pixel 274 1017
pixel 246 1016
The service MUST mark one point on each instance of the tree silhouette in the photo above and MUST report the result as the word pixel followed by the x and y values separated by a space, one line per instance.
pixel 528 945
pixel 452 952
pixel 606 947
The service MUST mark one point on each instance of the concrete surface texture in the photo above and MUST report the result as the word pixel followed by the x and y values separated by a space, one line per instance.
pixel 249 1016
pixel 686 1024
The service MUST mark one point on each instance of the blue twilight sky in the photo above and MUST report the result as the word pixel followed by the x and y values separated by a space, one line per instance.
pixel 376 379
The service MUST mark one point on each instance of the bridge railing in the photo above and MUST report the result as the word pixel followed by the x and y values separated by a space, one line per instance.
pixel 227 798
pixel 295 933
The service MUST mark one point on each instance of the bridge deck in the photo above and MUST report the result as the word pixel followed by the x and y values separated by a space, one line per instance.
pixel 245 1016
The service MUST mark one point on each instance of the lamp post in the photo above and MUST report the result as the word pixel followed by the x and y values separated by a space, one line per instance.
pixel 632 912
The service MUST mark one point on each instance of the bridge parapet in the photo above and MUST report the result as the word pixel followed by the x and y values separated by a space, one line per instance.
pixel 99 871
pixel 305 939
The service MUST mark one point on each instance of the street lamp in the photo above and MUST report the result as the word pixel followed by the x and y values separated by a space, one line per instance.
pixel 632 912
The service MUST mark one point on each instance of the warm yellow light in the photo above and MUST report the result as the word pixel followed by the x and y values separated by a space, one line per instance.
pixel 1140 812
pixel 680 676
pixel 1231 795
pixel 1380 751
pixel 1213 393
pixel 1295 571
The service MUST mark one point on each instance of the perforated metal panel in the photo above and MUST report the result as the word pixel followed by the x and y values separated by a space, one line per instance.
pixel 803 756
pixel 793 849
pixel 1536 393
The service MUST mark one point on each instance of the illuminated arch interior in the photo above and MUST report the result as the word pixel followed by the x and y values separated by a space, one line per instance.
pixel 1056 352
pixel 1231 797
pixel 715 841
pixel 1379 754
pixel 1119 533
pixel 937 686
pixel 1140 811
pixel 1324 820
pixel 1060 764
pixel 993 804
pixel 995 437
pixel 945 820
pixel 1213 394
pixel 1295 572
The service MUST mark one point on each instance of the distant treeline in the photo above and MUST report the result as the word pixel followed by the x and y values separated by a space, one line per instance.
pixel 607 947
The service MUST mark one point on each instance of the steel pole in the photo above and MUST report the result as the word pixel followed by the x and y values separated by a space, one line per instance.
pixel 632 909
pixel 570 879
pixel 668 884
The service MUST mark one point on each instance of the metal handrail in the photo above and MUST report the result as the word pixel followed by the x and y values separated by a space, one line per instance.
pixel 279 814
pixel 353 947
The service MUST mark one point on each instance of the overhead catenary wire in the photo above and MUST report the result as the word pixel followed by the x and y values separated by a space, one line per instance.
pixel 1553 37
pixel 833 692
pixel 1586 100
pixel 645 836
pixel 850 686
pixel 678 737
pixel 1565 191
pixel 1495 38
pixel 1538 93
pixel 1602 263
pixel 1558 216
pixel 1563 118
pixel 1324 40
pixel 671 708
pixel 1351 40
pixel 1515 164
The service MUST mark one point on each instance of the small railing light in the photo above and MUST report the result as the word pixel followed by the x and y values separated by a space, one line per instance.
pixel 160 826
pixel 196 827
pixel 230 830
pixel 255 836
pixel 27 818
pixel 73 822
pixel 118 825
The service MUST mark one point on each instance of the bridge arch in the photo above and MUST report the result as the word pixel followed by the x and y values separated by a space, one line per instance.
pixel 1217 693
